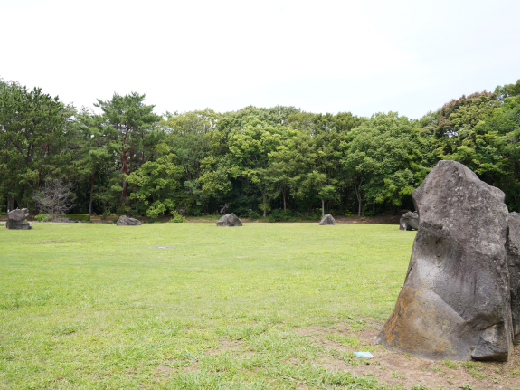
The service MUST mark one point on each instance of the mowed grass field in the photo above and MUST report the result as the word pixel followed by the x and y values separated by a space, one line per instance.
pixel 94 306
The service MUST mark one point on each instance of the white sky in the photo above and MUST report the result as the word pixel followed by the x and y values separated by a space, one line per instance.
pixel 320 56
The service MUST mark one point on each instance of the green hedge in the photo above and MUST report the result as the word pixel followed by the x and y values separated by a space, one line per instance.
pixel 42 217
pixel 78 217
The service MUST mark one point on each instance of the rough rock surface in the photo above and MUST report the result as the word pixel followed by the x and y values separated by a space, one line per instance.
pixel 409 221
pixel 124 220
pixel 328 219
pixel 455 301
pixel 513 263
pixel 229 220
pixel 15 220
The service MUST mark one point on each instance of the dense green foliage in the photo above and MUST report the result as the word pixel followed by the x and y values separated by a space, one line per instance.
pixel 126 159
pixel 79 217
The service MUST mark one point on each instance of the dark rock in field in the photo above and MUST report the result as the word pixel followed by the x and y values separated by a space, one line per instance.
pixel 229 220
pixel 15 220
pixel 513 263
pixel 409 221
pixel 328 219
pixel 455 301
pixel 124 220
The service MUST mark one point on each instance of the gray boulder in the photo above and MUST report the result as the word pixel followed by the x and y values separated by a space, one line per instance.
pixel 125 220
pixel 513 264
pixel 328 219
pixel 455 301
pixel 409 221
pixel 229 220
pixel 15 220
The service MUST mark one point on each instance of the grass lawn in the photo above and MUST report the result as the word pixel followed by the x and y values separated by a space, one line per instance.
pixel 93 306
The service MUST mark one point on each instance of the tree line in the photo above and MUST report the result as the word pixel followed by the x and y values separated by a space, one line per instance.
pixel 121 157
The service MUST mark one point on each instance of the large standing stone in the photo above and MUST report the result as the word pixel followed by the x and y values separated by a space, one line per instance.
pixel 455 301
pixel 229 220
pixel 513 263
pixel 409 221
pixel 15 220
pixel 328 219
pixel 124 220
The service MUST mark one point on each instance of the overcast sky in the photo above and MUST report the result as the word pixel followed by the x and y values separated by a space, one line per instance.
pixel 320 56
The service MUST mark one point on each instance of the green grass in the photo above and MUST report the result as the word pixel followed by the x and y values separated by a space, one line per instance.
pixel 93 306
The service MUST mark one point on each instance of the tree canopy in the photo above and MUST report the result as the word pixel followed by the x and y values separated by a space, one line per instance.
pixel 121 157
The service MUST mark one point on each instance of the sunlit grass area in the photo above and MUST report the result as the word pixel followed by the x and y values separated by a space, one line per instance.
pixel 94 306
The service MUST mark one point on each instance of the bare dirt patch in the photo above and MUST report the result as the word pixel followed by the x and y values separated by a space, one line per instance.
pixel 225 345
pixel 175 367
pixel 164 369
pixel 61 241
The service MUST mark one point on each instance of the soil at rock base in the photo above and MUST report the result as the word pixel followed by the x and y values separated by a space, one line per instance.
pixel 408 371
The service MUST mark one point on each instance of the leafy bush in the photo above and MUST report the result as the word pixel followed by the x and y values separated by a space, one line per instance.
pixel 252 214
pixel 279 215
pixel 123 210
pixel 155 210
pixel 178 218
pixel 196 211
pixel 42 217
pixel 78 217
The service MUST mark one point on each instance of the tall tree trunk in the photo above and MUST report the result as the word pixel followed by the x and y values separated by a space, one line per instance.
pixel 263 201
pixel 24 196
pixel 91 194
pixel 124 157
pixel 131 170
pixel 10 202
pixel 322 207
pixel 358 196
pixel 125 170
pixel 284 201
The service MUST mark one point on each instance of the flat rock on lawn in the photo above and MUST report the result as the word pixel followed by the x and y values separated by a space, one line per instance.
pixel 328 219
pixel 229 220
pixel 124 220
pixel 409 221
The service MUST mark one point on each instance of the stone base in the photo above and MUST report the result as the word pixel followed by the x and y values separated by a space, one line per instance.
pixel 10 224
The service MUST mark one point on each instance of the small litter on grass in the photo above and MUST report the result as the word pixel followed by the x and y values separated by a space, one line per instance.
pixel 363 354
pixel 161 247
